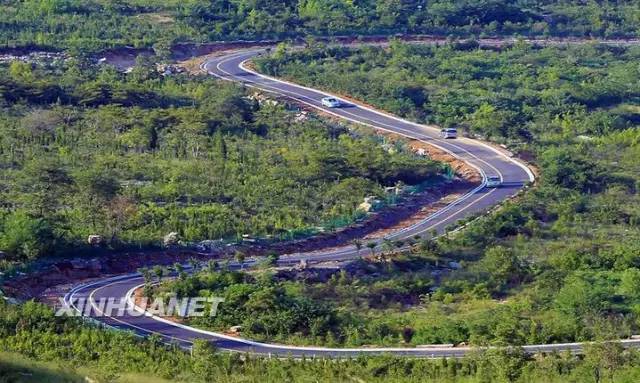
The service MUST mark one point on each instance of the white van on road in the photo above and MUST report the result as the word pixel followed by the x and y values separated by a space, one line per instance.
pixel 449 133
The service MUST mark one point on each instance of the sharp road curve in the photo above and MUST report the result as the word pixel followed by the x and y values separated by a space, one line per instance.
pixel 488 160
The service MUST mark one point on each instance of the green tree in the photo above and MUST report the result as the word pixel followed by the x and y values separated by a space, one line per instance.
pixel 240 258
pixel 159 272
pixel 503 266
pixel 203 358
pixel 97 189
pixel 23 237
pixel 603 359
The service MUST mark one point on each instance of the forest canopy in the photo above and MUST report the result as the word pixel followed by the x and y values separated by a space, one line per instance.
pixel 131 157
pixel 98 24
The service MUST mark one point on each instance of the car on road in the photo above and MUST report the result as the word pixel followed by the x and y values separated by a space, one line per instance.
pixel 449 133
pixel 493 182
pixel 331 102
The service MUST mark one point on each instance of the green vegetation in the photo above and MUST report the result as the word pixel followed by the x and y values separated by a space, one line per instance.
pixel 559 264
pixel 521 95
pixel 32 330
pixel 361 305
pixel 133 157
pixel 265 307
pixel 16 368
pixel 96 24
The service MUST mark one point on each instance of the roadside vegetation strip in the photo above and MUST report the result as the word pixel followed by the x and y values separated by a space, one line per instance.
pixel 279 347
pixel 435 129
pixel 422 351
pixel 354 119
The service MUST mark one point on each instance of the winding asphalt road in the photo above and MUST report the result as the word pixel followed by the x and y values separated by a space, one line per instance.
pixel 488 160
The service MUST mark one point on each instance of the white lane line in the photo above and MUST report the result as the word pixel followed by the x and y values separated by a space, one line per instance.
pixel 99 311
pixel 457 351
pixel 358 119
pixel 243 66
pixel 410 133
pixel 129 298
pixel 391 116
pixel 403 350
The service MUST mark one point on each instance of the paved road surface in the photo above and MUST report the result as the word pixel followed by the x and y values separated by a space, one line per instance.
pixel 487 160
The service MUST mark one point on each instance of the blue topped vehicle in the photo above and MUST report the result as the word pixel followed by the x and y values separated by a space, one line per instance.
pixel 493 181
